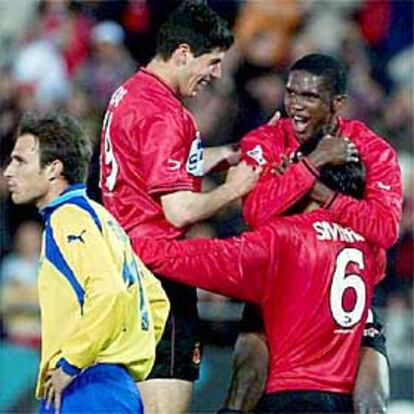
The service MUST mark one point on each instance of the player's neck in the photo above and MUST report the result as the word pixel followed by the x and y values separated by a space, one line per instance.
pixel 313 205
pixel 332 126
pixel 164 70
pixel 56 188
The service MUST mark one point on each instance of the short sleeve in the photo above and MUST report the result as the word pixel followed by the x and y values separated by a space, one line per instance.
pixel 165 142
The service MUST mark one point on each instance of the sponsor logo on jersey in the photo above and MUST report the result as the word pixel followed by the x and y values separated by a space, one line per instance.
pixel 173 165
pixel 76 237
pixel 194 164
pixel 257 154
pixel 383 186
pixel 343 331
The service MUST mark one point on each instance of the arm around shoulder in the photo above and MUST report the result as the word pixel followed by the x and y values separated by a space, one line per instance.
pixel 183 208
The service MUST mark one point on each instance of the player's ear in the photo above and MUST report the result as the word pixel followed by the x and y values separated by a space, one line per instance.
pixel 182 54
pixel 338 103
pixel 54 170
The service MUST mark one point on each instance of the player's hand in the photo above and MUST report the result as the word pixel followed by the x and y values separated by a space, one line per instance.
pixel 242 178
pixel 335 151
pixel 280 168
pixel 56 381
pixel 274 119
pixel 232 154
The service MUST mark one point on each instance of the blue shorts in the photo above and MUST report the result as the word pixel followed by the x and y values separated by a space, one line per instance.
pixel 102 388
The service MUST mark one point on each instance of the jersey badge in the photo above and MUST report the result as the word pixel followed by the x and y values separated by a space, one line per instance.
pixel 257 154
pixel 194 164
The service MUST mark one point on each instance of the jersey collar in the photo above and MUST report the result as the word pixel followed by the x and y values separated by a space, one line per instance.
pixel 72 191
pixel 159 80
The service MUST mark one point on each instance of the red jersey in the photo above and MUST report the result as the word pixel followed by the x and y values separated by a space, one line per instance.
pixel 313 280
pixel 377 216
pixel 150 146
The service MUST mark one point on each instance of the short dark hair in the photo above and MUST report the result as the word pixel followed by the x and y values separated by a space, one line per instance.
pixel 348 179
pixel 328 67
pixel 194 23
pixel 60 138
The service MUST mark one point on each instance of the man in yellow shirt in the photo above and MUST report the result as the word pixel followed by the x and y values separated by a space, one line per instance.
pixel 102 311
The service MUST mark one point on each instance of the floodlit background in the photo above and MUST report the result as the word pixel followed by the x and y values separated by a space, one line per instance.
pixel 74 54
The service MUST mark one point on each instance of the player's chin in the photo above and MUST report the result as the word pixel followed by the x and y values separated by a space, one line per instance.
pixel 17 199
pixel 302 137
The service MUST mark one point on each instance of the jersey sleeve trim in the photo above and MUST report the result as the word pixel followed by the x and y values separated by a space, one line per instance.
pixel 67 367
pixel 56 258
pixel 330 201
pixel 168 188
pixel 311 167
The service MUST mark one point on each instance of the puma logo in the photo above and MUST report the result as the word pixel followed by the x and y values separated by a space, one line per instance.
pixel 173 165
pixel 74 237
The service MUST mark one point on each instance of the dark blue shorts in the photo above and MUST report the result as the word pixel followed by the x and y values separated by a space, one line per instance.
pixel 305 402
pixel 102 388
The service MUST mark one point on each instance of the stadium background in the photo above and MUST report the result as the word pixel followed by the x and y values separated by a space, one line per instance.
pixel 73 54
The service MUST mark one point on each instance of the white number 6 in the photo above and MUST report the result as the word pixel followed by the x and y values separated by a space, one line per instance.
pixel 342 281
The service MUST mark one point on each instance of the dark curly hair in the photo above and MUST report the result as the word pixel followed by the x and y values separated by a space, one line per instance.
pixel 195 24
pixel 60 138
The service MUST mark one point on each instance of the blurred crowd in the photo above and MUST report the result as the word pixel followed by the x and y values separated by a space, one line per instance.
pixel 73 54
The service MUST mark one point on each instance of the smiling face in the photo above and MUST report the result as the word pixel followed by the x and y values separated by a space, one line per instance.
pixel 28 182
pixel 198 72
pixel 310 103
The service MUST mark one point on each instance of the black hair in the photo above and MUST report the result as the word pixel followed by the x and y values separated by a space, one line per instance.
pixel 348 179
pixel 195 24
pixel 327 67
pixel 60 138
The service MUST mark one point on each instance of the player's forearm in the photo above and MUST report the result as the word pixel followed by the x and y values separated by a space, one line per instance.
pixel 250 365
pixel 213 156
pixel 371 392
pixel 193 207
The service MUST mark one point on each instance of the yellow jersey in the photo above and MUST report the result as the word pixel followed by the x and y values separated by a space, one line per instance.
pixel 99 303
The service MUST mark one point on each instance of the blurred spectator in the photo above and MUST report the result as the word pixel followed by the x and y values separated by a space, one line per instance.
pixel 267 26
pixel 40 71
pixel 327 22
pixel 64 24
pixel 398 331
pixel 109 65
pixel 18 281
pixel 15 16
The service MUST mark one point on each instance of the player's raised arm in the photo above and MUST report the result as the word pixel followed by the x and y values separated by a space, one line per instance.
pixel 186 207
pixel 377 216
